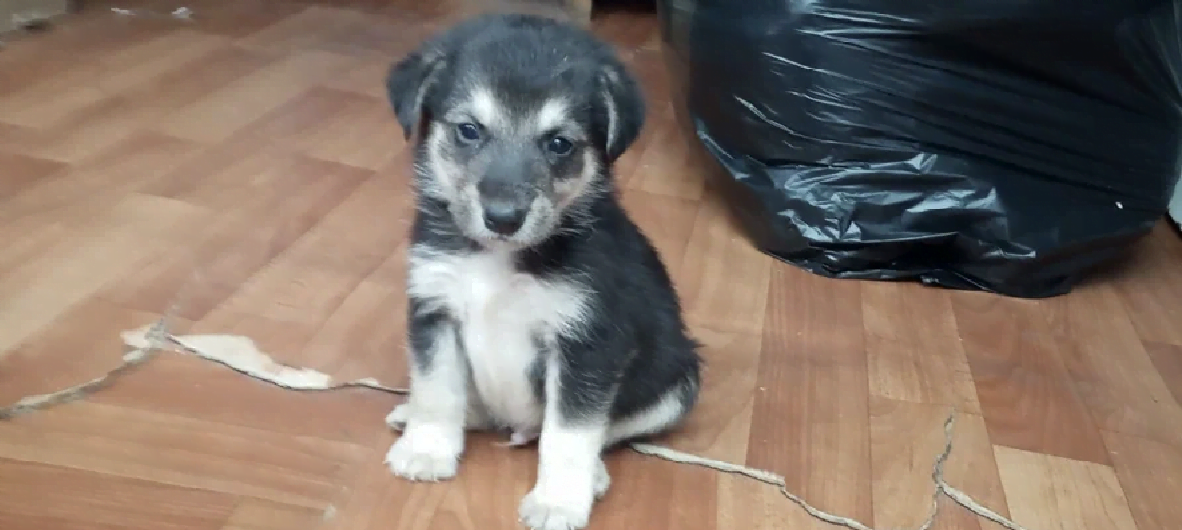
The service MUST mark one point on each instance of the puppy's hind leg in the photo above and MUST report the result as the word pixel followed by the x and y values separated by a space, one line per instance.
pixel 432 439
pixel 570 468
pixel 666 413
pixel 662 415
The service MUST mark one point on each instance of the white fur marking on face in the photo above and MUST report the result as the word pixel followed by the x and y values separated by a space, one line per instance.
pixel 500 310
pixel 440 183
pixel 569 466
pixel 552 115
pixel 571 190
pixel 485 108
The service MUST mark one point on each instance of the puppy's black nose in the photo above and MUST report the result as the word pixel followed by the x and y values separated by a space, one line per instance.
pixel 503 218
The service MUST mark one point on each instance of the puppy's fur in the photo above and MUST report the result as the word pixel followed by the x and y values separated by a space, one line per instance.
pixel 535 304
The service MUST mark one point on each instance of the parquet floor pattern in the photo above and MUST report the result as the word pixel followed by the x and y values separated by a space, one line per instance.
pixel 244 166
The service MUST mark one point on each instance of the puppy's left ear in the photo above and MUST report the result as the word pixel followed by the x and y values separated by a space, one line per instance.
pixel 622 109
pixel 408 83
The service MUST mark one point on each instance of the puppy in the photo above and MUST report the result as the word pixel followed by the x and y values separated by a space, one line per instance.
pixel 534 304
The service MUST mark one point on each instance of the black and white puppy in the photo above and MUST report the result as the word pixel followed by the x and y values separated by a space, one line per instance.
pixel 535 304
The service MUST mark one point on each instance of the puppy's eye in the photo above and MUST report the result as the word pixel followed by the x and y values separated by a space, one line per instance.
pixel 559 146
pixel 468 132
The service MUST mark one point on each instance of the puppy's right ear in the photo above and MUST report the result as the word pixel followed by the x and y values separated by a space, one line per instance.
pixel 407 85
pixel 623 108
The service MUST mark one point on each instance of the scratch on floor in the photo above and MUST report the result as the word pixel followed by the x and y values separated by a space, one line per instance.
pixel 242 355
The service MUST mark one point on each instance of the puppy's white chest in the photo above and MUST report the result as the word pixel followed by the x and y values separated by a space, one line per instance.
pixel 502 314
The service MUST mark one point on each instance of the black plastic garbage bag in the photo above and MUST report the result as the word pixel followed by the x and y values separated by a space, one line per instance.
pixel 1008 146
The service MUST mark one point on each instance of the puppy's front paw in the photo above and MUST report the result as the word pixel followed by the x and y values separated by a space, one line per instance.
pixel 474 421
pixel 603 481
pixel 426 453
pixel 542 510
pixel 397 418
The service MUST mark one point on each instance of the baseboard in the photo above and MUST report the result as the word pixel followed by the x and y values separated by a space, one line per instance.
pixel 21 14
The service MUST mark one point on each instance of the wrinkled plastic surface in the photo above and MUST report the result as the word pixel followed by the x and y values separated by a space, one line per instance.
pixel 1008 146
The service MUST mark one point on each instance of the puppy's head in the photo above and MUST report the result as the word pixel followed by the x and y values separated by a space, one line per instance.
pixel 518 119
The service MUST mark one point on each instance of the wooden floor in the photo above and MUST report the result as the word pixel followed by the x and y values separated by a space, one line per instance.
pixel 244 166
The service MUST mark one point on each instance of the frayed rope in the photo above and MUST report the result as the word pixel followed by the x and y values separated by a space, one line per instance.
pixel 240 354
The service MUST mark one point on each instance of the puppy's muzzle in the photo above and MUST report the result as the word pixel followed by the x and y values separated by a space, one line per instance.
pixel 505 202
pixel 506 191
pixel 504 216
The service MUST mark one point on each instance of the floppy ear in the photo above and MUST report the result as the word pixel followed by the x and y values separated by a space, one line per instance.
pixel 407 84
pixel 622 108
